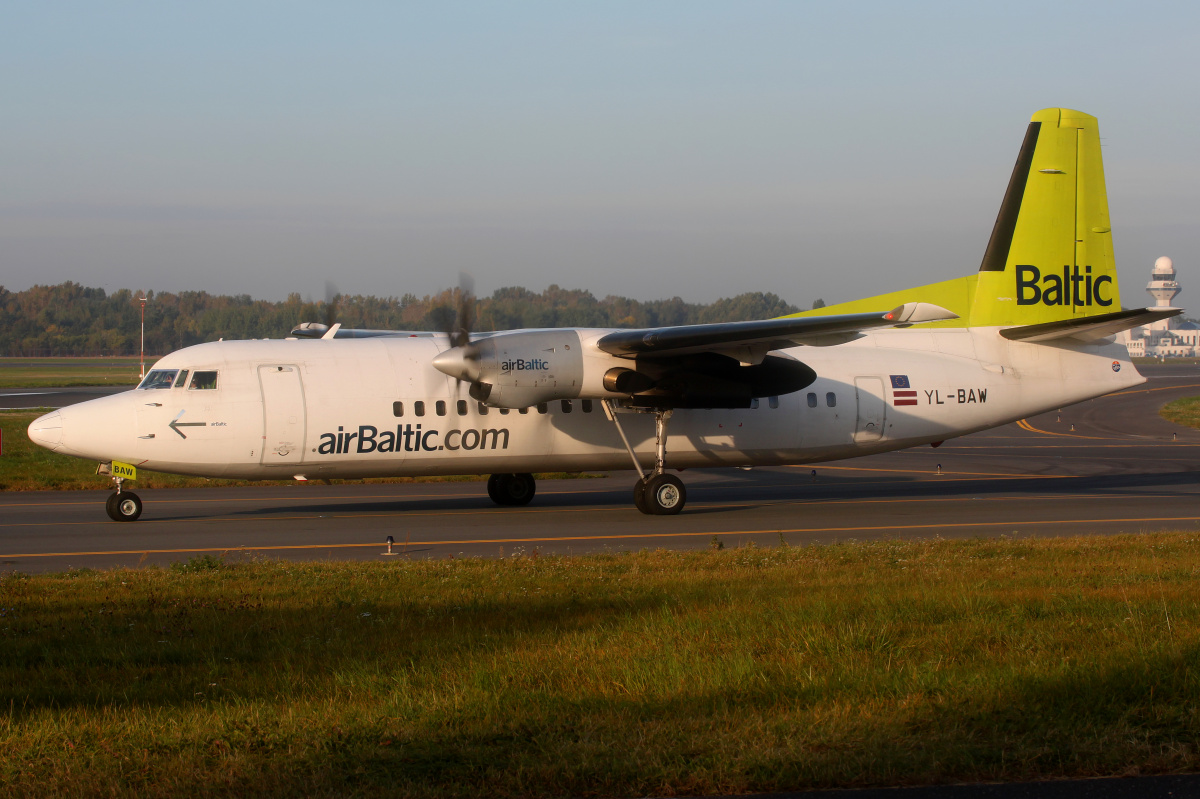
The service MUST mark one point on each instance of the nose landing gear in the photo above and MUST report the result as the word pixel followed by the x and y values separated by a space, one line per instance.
pixel 123 506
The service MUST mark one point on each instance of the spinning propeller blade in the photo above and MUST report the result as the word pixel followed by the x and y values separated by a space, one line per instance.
pixel 461 361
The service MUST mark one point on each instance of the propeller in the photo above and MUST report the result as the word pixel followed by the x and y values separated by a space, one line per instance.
pixel 332 296
pixel 462 360
pixel 331 326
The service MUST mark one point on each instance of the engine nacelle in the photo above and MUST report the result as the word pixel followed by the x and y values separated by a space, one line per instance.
pixel 524 368
pixel 519 369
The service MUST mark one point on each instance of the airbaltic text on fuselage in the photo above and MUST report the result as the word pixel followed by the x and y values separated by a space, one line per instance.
pixel 1072 287
pixel 410 438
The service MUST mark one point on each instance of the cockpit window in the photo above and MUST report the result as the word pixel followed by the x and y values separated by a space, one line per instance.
pixel 181 381
pixel 203 381
pixel 159 378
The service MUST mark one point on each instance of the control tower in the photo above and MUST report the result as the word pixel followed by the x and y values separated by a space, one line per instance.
pixel 1162 287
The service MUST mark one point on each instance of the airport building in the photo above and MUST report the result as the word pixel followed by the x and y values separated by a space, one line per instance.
pixel 1168 338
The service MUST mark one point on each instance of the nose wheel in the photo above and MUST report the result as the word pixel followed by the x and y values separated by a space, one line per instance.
pixel 123 506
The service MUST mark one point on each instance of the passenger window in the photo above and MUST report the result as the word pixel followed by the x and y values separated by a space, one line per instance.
pixel 483 409
pixel 203 381
pixel 504 411
pixel 754 404
pixel 566 406
pixel 159 378
pixel 523 410
pixel 542 407
pixel 440 407
pixel 831 399
pixel 462 407
pixel 812 400
pixel 772 402
pixel 419 408
pixel 182 381
pixel 587 406
pixel 397 409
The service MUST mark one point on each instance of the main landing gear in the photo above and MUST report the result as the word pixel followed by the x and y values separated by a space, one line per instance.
pixel 657 493
pixel 123 506
pixel 511 489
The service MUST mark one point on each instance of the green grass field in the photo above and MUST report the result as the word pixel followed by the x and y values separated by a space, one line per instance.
pixel 42 372
pixel 650 673
pixel 1185 411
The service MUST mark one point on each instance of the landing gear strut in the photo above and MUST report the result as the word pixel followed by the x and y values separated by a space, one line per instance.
pixel 511 489
pixel 657 493
pixel 123 506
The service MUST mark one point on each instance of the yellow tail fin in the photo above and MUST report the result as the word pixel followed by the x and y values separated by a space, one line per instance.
pixel 1050 256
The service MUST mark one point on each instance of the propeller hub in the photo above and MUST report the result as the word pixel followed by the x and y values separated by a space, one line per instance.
pixel 458 362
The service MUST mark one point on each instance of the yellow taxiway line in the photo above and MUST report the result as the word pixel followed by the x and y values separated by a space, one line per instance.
pixel 617 537
pixel 1148 390
pixel 1025 425
pixel 403 514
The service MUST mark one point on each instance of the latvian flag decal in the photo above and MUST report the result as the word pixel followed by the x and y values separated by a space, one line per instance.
pixel 902 393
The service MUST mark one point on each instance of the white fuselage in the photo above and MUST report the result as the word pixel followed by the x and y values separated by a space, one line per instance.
pixel 351 408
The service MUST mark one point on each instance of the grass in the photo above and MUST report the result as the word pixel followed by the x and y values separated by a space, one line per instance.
pixel 651 673
pixel 25 466
pixel 1184 411
pixel 43 372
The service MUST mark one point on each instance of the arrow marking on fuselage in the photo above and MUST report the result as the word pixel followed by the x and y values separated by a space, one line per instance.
pixel 175 424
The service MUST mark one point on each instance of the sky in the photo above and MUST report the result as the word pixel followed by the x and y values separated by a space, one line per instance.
pixel 646 149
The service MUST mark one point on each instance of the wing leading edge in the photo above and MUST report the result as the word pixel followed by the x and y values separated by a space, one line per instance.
pixel 749 342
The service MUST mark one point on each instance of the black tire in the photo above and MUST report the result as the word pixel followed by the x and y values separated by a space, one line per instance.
pixel 110 506
pixel 665 495
pixel 639 495
pixel 511 489
pixel 494 488
pixel 520 488
pixel 124 507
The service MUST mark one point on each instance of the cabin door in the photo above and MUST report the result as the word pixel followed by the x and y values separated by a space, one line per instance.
pixel 283 415
pixel 868 392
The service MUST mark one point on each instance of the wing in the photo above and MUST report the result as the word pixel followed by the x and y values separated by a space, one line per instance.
pixel 749 342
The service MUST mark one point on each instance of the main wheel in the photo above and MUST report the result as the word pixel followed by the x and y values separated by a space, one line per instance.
pixel 639 495
pixel 511 489
pixel 664 495
pixel 520 488
pixel 123 507
pixel 493 486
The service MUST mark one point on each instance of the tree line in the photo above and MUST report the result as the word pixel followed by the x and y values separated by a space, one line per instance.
pixel 70 319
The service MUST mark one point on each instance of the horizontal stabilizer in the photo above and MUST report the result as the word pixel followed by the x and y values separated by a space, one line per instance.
pixel 758 338
pixel 1090 328
pixel 318 330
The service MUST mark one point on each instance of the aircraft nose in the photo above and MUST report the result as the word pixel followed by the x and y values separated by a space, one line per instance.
pixel 47 431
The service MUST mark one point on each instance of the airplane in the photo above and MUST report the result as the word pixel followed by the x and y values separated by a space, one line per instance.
pixel 1029 332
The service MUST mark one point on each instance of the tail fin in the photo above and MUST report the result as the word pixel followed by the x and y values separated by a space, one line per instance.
pixel 1050 256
